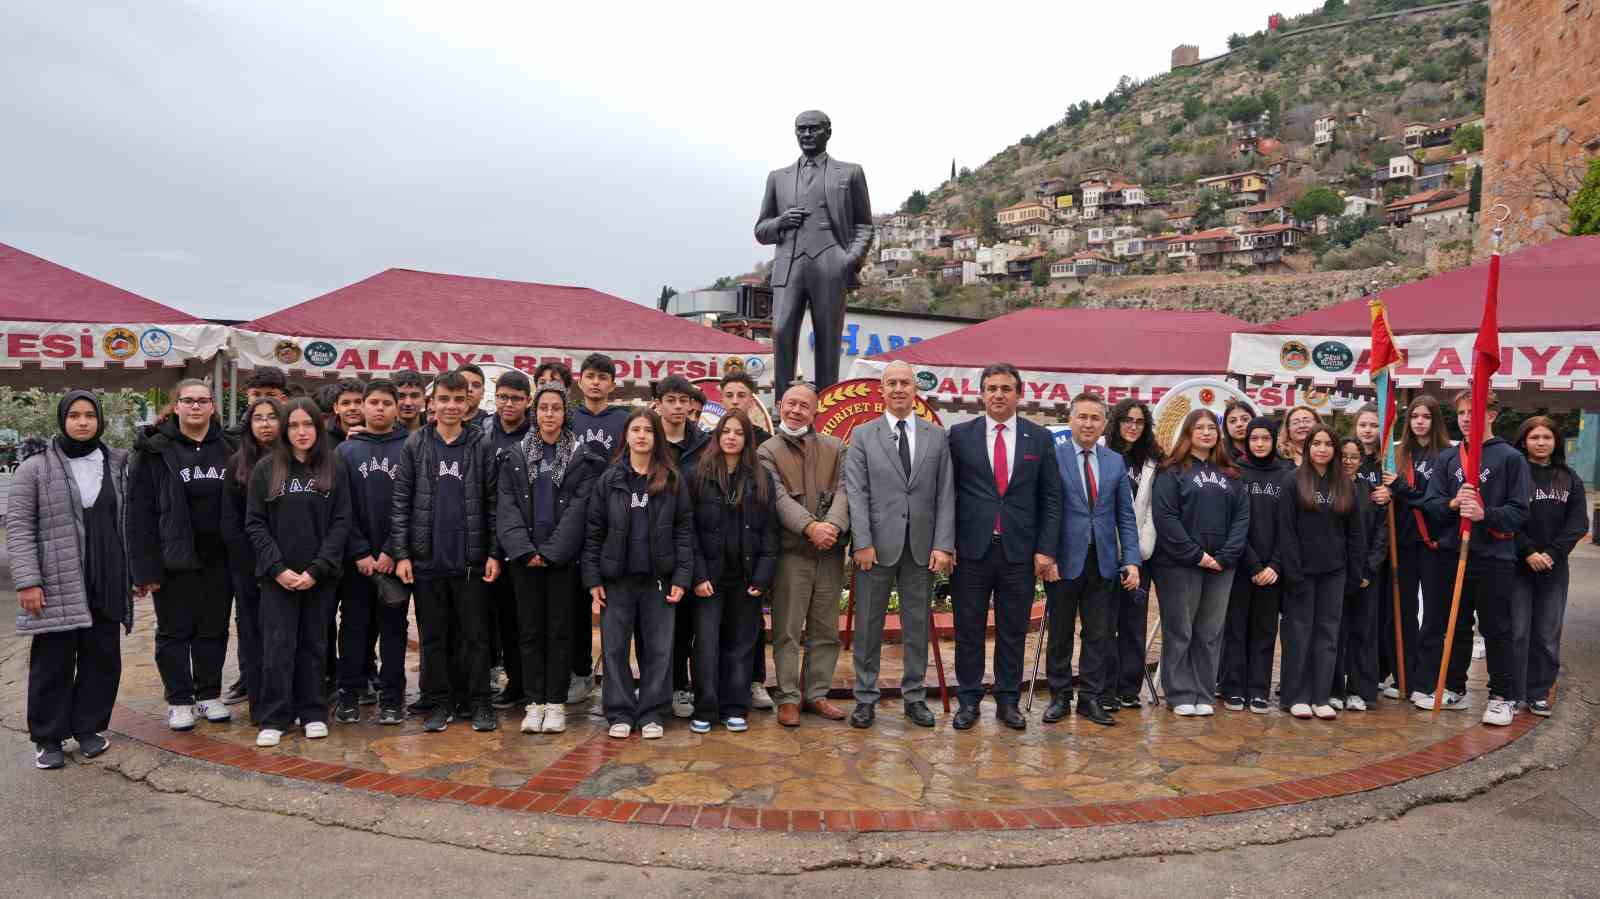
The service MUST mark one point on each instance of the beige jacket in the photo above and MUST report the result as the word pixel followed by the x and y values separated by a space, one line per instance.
pixel 810 473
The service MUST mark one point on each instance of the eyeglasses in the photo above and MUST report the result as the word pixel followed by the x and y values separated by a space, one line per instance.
pixel 502 398
pixel 1349 458
pixel 1131 421
pixel 190 402
pixel 264 419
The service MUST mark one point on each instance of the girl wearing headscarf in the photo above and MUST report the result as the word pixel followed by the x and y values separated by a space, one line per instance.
pixel 1252 625
pixel 69 563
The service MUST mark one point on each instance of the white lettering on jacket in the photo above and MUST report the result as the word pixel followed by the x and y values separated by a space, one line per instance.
pixel 597 435
pixel 639 500
pixel 295 485
pixel 1210 478
pixel 371 466
pixel 1552 495
pixel 197 473
pixel 449 469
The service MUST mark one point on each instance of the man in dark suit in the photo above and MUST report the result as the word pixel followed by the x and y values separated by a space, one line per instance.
pixel 817 213
pixel 1008 529
pixel 1099 535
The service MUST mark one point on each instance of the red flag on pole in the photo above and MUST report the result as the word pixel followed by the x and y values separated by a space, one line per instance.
pixel 1385 356
pixel 1485 362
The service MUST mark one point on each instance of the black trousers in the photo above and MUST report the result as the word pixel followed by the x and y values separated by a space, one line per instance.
pixel 192 612
pixel 683 644
pixel 1132 617
pixel 360 619
pixel 1312 609
pixel 1356 670
pixel 247 618
pixel 453 632
pixel 363 617
pixel 1089 597
pixel 293 657
pixel 1539 609
pixel 582 650
pixel 544 641
pixel 758 653
pixel 505 636
pixel 636 604
pixel 1487 591
pixel 1419 571
pixel 1011 585
pixel 73 678
pixel 1249 635
pixel 726 624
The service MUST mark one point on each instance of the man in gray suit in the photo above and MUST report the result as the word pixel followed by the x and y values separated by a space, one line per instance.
pixel 817 213
pixel 902 494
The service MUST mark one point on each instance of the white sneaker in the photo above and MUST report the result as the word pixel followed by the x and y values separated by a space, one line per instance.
pixel 578 689
pixel 316 730
pixel 1499 712
pixel 759 697
pixel 682 703
pixel 555 719
pixel 1336 703
pixel 1186 710
pixel 1456 702
pixel 180 717
pixel 1391 692
pixel 1325 712
pixel 619 731
pixel 1422 700
pixel 1205 710
pixel 533 722
pixel 213 709
pixel 1356 704
pixel 1478 649
pixel 1300 710
pixel 268 737
pixel 652 731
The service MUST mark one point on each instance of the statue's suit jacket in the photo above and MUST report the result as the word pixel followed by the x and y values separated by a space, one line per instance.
pixel 849 214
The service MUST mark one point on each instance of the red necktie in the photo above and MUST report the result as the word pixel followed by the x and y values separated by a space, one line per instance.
pixel 1088 479
pixel 1001 472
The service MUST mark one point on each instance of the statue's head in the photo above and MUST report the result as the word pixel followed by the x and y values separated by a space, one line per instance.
pixel 812 129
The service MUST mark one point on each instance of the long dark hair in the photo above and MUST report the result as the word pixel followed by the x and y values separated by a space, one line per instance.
pixel 663 473
pixel 1143 450
pixel 1341 492
pixel 1438 434
pixel 713 470
pixel 250 450
pixel 1182 449
pixel 1562 479
pixel 319 459
pixel 1239 449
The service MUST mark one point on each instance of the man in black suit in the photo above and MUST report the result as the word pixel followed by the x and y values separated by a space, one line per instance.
pixel 1008 528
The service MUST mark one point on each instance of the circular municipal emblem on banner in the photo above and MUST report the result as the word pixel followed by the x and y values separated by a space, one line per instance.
pixel 1316 399
pixel 1332 356
pixel 714 408
pixel 321 353
pixel 286 352
pixel 755 366
pixel 849 404
pixel 155 342
pixel 926 381
pixel 1294 355
pixel 120 343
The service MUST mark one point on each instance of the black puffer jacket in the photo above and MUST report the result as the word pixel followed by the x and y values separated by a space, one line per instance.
pixel 758 538
pixel 411 511
pixel 514 522
pixel 605 549
pixel 160 535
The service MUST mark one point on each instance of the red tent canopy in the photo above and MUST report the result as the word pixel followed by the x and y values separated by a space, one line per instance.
pixel 428 321
pixel 38 290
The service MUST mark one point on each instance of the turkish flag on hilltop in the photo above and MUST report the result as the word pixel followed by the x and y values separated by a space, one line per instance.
pixel 1485 362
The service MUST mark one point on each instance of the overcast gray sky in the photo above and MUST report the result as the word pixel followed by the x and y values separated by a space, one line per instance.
pixel 234 158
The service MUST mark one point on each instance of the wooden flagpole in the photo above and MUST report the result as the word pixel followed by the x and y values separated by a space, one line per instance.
pixel 1450 630
pixel 1399 636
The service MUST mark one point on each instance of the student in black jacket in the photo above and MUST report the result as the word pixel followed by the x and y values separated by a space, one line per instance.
pixel 1558 517
pixel 441 525
pixel 1252 626
pixel 263 382
pixel 263 419
pixel 176 549
pixel 1496 502
pixel 686 442
pixel 370 458
pixel 1416 456
pixel 1202 519
pixel 298 519
pixel 1323 548
pixel 1355 672
pixel 739 393
pixel 735 558
pixel 544 486
pixel 598 423
pixel 638 558
pixel 506 429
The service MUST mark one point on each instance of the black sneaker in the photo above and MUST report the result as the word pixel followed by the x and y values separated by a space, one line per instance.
pixel 235 694
pixel 484 719
pixel 390 714
pixel 91 745
pixel 463 711
pixel 1234 704
pixel 48 756
pixel 368 696
pixel 348 711
pixel 506 699
pixel 420 708
pixel 437 720
pixel 1130 702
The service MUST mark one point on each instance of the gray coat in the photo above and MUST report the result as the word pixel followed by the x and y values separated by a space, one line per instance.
pixel 883 499
pixel 45 538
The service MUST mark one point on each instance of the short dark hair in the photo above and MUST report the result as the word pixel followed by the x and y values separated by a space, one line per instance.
pixel 381 385
pixel 467 367
pixel 266 377
pixel 516 380
pixel 739 376
pixel 1087 397
pixel 294 390
pixel 324 397
pixel 698 395
pixel 407 377
pixel 349 385
pixel 601 363
pixel 560 368
pixel 672 384
pixel 1000 368
pixel 451 380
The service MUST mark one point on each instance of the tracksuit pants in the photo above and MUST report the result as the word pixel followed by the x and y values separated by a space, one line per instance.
pixel 293 654
pixel 192 612
pixel 544 639
pixel 1312 610
pixel 630 601
pixel 73 678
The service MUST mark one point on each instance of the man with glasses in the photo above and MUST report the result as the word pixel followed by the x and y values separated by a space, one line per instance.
pixel 506 429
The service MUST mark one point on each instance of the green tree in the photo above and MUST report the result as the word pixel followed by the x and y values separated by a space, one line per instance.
pixel 1468 139
pixel 1475 196
pixel 1334 7
pixel 1585 210
pixel 1433 72
pixel 667 293
pixel 1208 212
pixel 1194 106
pixel 1236 40
pixel 916 204
pixel 1314 202
pixel 1039 273
pixel 32 413
pixel 983 213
